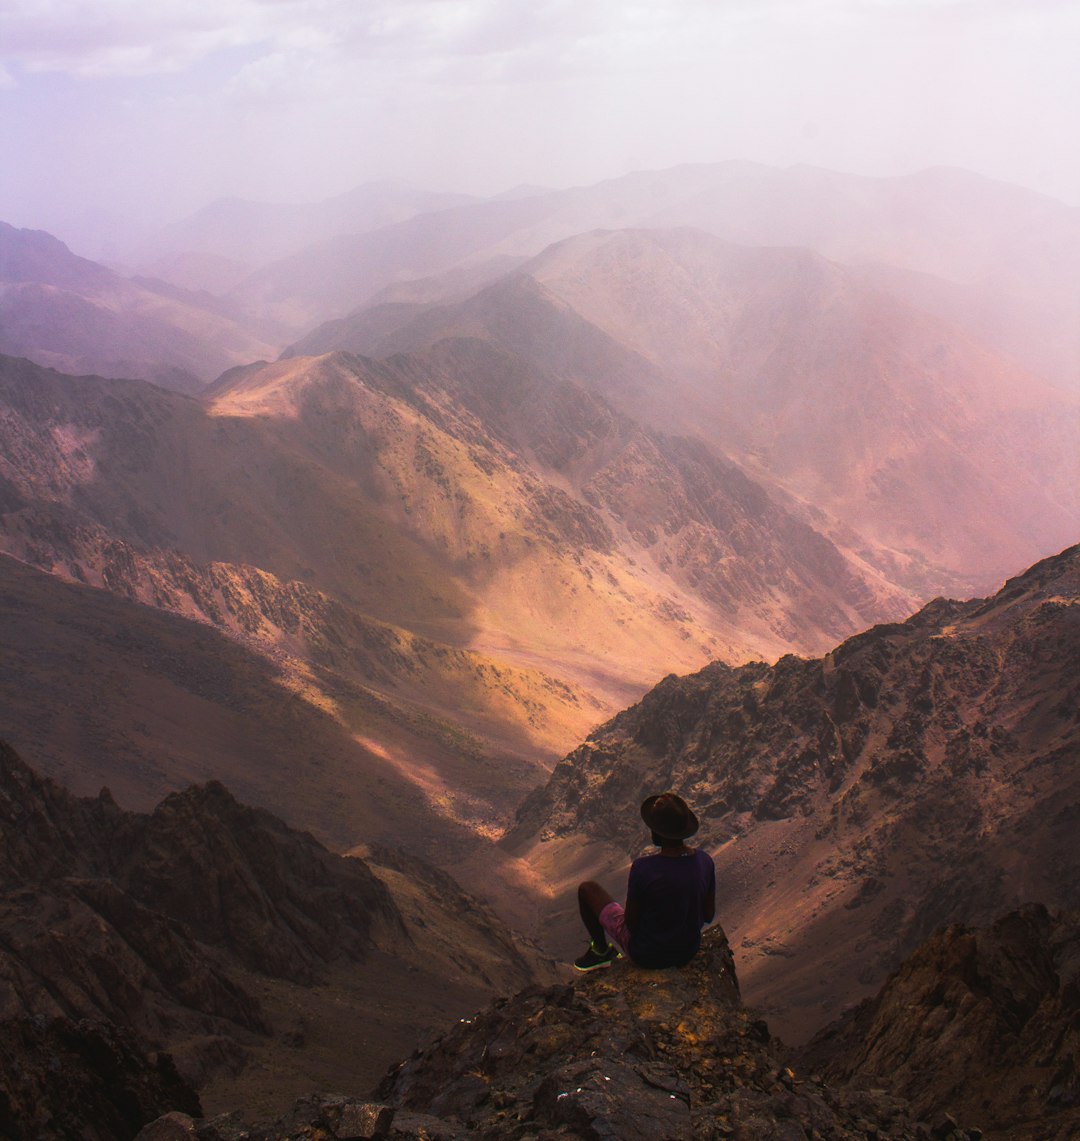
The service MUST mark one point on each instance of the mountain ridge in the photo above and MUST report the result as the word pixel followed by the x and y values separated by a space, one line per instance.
pixel 67 312
pixel 854 803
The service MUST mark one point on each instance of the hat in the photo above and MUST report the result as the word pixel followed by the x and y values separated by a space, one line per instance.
pixel 669 816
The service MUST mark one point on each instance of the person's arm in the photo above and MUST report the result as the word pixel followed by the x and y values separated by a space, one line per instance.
pixel 630 912
pixel 708 910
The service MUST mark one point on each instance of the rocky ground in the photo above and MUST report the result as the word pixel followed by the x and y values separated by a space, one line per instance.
pixel 623 1054
pixel 214 932
pixel 984 1021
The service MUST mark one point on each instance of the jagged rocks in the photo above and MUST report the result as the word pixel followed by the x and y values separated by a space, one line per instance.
pixel 981 1023
pixel 921 774
pixel 62 1080
pixel 321 1117
pixel 628 1054
pixel 200 928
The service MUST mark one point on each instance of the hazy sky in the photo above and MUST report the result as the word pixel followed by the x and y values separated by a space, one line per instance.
pixel 154 107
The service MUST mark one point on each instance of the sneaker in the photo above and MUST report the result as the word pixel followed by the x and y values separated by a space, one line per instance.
pixel 594 958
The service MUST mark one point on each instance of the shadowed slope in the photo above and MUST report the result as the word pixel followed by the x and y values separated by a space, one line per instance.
pixel 978 1022
pixel 210 928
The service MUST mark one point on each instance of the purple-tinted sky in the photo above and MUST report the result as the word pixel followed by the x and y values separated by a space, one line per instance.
pixel 151 108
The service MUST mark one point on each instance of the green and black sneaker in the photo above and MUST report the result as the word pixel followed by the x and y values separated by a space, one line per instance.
pixel 594 958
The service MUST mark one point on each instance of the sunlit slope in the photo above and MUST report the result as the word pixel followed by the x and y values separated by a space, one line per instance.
pixel 140 492
pixel 581 536
pixel 452 529
pixel 935 458
pixel 98 690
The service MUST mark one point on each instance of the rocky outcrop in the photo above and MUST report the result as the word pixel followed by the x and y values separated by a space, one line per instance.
pixel 918 775
pixel 622 1054
pixel 166 926
pixel 981 1022
pixel 143 921
pixel 200 866
pixel 64 1080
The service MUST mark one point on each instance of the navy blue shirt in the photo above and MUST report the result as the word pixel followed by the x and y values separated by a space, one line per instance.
pixel 668 894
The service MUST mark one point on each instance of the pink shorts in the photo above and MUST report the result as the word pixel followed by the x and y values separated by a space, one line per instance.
pixel 613 920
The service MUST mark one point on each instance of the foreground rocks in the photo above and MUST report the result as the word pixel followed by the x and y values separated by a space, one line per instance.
pixel 127 937
pixel 984 1023
pixel 619 1055
pixel 81 1081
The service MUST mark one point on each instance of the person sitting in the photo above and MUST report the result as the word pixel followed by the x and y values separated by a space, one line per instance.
pixel 670 896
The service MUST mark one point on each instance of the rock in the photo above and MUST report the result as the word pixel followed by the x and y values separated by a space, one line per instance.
pixel 979 1025
pixel 171 1127
pixel 62 1080
pixel 605 1100
pixel 362 1121
pixel 630 1054
pixel 409 1126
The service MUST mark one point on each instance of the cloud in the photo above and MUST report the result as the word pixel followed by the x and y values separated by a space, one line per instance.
pixel 202 97
pixel 132 38
pixel 112 38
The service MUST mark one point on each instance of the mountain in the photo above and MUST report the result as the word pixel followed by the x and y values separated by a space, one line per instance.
pixel 69 313
pixel 62 1080
pixel 918 775
pixel 250 234
pixel 1001 261
pixel 841 398
pixel 979 1021
pixel 468 539
pixel 99 690
pixel 211 929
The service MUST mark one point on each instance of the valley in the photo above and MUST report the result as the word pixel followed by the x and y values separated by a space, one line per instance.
pixel 446 529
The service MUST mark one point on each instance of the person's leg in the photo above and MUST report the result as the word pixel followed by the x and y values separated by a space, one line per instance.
pixel 592 899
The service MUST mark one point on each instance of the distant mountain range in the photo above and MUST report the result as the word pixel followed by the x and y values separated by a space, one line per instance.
pixel 253 234
pixel 996 260
pixel 79 317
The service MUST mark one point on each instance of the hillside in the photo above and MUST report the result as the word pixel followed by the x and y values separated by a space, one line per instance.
pixel 853 405
pixel 445 538
pixel 917 775
pixel 980 1021
pixel 71 314
pixel 262 962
